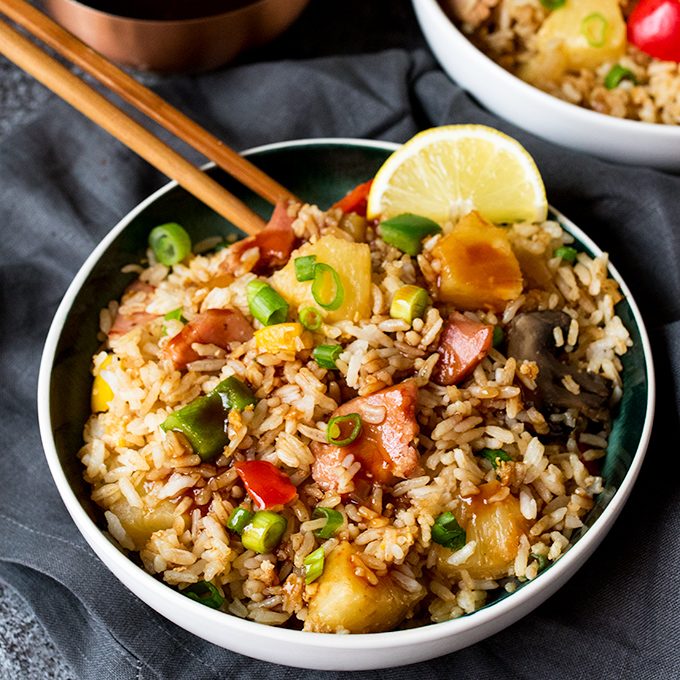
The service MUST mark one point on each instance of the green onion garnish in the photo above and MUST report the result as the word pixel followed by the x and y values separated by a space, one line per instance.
pixel 552 4
pixel 265 304
pixel 333 521
pixel 343 430
pixel 447 532
pixel 205 593
pixel 310 318
pixel 238 519
pixel 594 28
pixel 408 303
pixel 494 455
pixel 327 288
pixel 170 243
pixel 406 232
pixel 326 355
pixel 567 253
pixel 175 315
pixel 304 267
pixel 314 565
pixel 616 74
pixel 542 561
pixel 235 394
pixel 497 337
pixel 264 531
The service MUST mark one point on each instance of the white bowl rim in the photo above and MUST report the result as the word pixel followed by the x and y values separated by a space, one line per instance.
pixel 580 113
pixel 377 641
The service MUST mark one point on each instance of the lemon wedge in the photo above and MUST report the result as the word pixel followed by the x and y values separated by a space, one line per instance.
pixel 446 172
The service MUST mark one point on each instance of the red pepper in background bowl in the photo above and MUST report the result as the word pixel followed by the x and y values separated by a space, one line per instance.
pixel 356 200
pixel 265 483
pixel 654 28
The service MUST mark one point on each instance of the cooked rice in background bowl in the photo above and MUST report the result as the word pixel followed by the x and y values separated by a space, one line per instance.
pixel 286 421
pixel 629 124
pixel 507 31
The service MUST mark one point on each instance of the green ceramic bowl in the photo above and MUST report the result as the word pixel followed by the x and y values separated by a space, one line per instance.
pixel 319 171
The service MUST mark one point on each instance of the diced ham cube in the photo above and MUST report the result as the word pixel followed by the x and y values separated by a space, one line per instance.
pixel 384 449
pixel 214 326
pixel 124 323
pixel 462 345
pixel 275 242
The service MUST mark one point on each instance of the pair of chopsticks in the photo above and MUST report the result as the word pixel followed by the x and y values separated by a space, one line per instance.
pixel 32 59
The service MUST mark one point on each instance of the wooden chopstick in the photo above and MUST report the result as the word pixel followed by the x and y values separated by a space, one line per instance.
pixel 145 100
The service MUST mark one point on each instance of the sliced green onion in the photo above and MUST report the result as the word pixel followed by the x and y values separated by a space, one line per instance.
pixel 616 74
pixel 326 355
pixel 498 336
pixel 494 455
pixel 314 565
pixel 205 593
pixel 238 519
pixel 264 531
pixel 566 253
pixel 343 430
pixel 333 521
pixel 552 4
pixel 235 394
pixel 265 304
pixel 304 267
pixel 594 28
pixel 310 318
pixel 170 243
pixel 408 303
pixel 327 288
pixel 175 315
pixel 542 561
pixel 407 231
pixel 447 532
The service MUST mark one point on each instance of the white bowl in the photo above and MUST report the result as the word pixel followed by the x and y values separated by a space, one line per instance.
pixel 65 361
pixel 624 141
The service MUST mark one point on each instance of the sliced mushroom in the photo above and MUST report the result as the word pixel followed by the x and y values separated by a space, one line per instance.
pixel 531 338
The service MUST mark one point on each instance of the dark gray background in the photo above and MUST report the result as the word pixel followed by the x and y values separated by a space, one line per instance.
pixel 63 184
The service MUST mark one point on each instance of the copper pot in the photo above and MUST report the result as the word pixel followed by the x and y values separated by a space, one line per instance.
pixel 188 42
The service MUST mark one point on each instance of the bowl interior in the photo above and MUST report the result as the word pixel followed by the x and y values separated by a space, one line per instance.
pixel 318 172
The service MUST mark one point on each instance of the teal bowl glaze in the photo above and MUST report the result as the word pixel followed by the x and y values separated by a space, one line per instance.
pixel 318 171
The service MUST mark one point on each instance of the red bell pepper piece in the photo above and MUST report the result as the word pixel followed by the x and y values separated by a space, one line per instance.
pixel 355 201
pixel 265 483
pixel 654 28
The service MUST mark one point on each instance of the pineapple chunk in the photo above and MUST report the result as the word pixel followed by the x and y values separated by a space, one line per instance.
pixel 352 262
pixel 102 394
pixel 496 527
pixel 283 337
pixel 545 67
pixel 586 32
pixel 343 601
pixel 477 266
pixel 141 523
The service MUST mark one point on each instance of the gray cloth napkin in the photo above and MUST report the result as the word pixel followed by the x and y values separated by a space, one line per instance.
pixel 64 183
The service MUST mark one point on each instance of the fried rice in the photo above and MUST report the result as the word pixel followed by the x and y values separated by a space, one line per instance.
pixel 506 31
pixel 168 508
